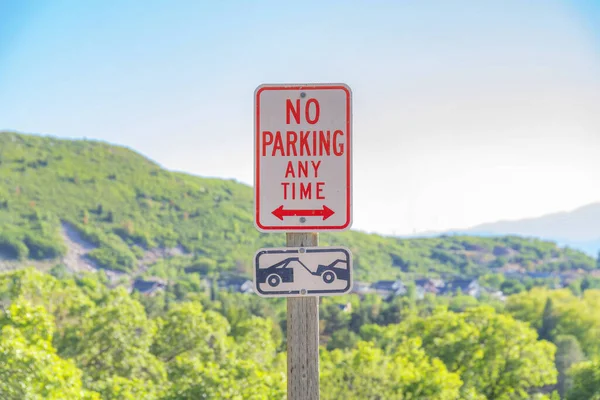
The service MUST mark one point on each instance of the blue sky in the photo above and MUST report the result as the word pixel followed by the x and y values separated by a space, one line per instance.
pixel 464 112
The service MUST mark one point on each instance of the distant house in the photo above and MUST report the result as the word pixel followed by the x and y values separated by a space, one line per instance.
pixel 438 283
pixel 513 275
pixel 345 307
pixel 361 287
pixel 419 292
pixel 148 287
pixel 540 275
pixel 247 287
pixel 499 295
pixel 389 288
pixel 469 287
pixel 509 268
pixel 433 286
pixel 383 285
pixel 237 284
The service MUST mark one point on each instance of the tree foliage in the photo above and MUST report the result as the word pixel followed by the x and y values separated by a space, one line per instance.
pixel 367 372
pixel 30 368
pixel 560 312
pixel 586 381
pixel 494 355
pixel 77 338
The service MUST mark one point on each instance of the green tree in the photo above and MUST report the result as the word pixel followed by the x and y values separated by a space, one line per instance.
pixel 63 299
pixel 460 303
pixel 254 341
pixel 512 286
pixel 342 339
pixel 549 321
pixel 233 379
pixel 187 328
pixel 332 318
pixel 366 372
pixel 494 354
pixel 568 353
pixel 586 381
pixel 570 315
pixel 115 341
pixel 368 311
pixel 204 362
pixel 30 369
pixel 590 283
pixel 493 281
pixel 119 388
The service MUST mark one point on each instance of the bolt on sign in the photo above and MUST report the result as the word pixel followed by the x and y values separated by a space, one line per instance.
pixel 303 158
pixel 291 272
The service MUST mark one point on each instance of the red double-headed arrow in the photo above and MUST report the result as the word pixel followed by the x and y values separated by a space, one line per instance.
pixel 325 212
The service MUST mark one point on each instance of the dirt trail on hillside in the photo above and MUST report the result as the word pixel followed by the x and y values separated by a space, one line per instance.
pixel 77 249
pixel 76 259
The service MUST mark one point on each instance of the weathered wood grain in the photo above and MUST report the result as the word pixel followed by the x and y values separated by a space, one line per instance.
pixel 303 335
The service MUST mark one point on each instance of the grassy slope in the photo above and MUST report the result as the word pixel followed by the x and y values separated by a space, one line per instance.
pixel 124 203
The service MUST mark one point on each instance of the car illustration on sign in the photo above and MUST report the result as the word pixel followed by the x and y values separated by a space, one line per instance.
pixel 302 271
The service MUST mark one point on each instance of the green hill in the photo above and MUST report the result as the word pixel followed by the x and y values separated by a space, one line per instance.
pixel 90 205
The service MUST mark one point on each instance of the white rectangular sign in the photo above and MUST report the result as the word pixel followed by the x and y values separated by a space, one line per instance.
pixel 302 271
pixel 303 158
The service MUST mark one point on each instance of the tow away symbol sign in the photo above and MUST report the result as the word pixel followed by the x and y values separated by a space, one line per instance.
pixel 296 271
pixel 303 159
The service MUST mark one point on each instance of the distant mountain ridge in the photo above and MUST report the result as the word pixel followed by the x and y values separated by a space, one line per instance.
pixel 88 205
pixel 579 228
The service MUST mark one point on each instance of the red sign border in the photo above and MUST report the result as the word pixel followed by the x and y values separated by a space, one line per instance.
pixel 302 228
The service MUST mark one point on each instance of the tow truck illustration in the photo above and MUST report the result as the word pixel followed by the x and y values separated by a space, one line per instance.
pixel 283 271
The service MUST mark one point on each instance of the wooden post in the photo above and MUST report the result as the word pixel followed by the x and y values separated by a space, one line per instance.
pixel 303 335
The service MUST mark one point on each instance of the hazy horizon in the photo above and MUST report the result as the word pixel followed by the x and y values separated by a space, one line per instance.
pixel 463 113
